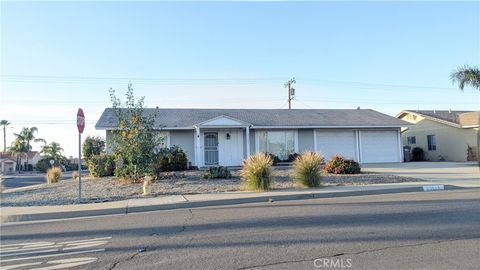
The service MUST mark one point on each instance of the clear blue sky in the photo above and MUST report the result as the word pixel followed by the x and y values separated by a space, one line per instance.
pixel 58 56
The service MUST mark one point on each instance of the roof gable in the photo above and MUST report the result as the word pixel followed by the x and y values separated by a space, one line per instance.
pixel 223 121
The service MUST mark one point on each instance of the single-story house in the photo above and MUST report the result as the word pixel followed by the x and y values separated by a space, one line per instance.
pixel 443 135
pixel 226 136
pixel 33 158
pixel 7 165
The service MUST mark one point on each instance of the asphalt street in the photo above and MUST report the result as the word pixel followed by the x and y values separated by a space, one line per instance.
pixel 423 230
pixel 23 180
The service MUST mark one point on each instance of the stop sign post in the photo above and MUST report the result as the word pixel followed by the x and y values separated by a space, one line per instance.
pixel 81 127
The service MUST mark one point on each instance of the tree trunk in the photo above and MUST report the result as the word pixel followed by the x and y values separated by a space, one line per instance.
pixel 19 162
pixel 4 139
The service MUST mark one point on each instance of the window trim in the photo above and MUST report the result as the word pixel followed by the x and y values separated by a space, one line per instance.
pixel 259 133
pixel 167 137
pixel 431 146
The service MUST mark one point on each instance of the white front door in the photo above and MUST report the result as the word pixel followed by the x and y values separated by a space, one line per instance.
pixel 211 148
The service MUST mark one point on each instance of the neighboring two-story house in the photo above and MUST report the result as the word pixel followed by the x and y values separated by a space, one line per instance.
pixel 443 135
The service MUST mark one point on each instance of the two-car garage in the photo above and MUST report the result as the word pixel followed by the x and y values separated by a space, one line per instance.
pixel 365 146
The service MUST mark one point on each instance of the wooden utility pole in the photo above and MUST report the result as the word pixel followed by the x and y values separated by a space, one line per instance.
pixel 291 91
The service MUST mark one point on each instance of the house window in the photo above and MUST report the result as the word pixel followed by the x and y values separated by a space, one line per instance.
pixel 412 140
pixel 432 143
pixel 279 143
pixel 163 140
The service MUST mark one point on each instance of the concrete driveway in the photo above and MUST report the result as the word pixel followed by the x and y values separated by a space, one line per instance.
pixel 449 173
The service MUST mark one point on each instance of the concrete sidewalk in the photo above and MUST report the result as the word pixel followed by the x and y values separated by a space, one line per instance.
pixel 17 214
pixel 464 174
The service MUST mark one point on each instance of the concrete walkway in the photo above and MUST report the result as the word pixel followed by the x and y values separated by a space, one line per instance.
pixel 16 214
pixel 448 173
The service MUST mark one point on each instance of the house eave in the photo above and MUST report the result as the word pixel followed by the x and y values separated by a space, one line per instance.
pixel 275 127
pixel 430 118
pixel 330 127
pixel 471 126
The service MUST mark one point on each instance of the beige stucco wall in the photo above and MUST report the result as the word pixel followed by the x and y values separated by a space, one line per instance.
pixel 451 141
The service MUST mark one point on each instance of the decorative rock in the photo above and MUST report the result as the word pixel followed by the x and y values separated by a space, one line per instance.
pixel 187 182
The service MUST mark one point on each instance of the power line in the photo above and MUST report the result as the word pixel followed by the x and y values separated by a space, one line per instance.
pixel 211 80
pixel 308 106
pixel 380 101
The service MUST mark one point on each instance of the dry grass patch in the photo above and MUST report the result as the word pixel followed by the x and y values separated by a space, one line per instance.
pixel 54 175
pixel 307 169
pixel 257 172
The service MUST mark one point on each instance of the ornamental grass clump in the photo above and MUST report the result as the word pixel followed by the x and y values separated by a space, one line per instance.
pixel 54 175
pixel 307 169
pixel 257 172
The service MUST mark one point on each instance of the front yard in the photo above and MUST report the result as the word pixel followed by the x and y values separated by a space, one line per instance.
pixel 178 183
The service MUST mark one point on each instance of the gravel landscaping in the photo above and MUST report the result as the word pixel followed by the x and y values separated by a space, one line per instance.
pixel 187 182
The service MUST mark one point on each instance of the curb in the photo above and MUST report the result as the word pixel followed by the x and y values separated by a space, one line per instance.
pixel 267 198
pixel 196 204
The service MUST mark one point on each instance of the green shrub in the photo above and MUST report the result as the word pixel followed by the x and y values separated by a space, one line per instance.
pixel 307 169
pixel 44 164
pixel 339 165
pixel 101 165
pixel 69 166
pixel 257 172
pixel 92 146
pixel 292 157
pixel 170 159
pixel 219 172
pixel 275 158
pixel 54 175
pixel 418 154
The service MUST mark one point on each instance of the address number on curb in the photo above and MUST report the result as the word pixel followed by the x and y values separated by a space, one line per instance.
pixel 435 187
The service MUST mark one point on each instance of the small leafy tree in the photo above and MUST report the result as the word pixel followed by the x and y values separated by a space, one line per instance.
pixel 92 145
pixel 133 143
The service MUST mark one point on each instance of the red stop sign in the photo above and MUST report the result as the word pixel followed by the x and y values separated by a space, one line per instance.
pixel 80 120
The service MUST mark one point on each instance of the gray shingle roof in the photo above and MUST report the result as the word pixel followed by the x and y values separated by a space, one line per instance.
pixel 187 118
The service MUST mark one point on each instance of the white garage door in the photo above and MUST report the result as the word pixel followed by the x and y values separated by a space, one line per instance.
pixel 330 143
pixel 379 146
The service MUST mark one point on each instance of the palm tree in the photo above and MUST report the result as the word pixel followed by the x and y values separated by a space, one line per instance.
pixel 466 75
pixel 18 148
pixel 27 135
pixel 53 150
pixel 4 123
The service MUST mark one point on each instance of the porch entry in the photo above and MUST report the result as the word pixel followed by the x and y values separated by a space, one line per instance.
pixel 211 148
pixel 223 147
